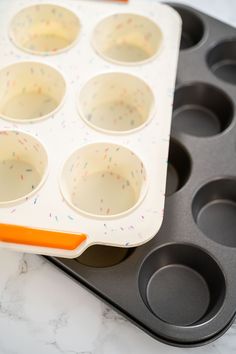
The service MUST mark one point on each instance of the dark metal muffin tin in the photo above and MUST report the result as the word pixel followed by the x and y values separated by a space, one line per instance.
pixel 181 286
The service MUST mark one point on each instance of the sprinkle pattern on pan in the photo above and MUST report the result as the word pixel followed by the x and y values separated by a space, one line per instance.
pixel 58 86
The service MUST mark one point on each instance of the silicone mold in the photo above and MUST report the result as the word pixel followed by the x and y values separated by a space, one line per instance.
pixel 86 90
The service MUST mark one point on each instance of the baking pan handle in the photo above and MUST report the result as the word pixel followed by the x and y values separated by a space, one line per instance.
pixel 40 238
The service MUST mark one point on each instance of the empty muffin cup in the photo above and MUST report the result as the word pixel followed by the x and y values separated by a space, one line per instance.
pixel 99 256
pixel 103 180
pixel 182 285
pixel 192 29
pixel 179 167
pixel 222 61
pixel 201 110
pixel 127 38
pixel 214 210
pixel 44 29
pixel 23 166
pixel 116 102
pixel 30 91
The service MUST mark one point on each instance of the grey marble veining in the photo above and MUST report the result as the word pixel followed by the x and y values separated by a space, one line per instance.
pixel 44 312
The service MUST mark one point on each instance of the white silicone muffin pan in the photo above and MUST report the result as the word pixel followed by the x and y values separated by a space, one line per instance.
pixel 86 93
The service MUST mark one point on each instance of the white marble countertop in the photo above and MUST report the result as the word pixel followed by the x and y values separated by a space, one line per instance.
pixel 42 311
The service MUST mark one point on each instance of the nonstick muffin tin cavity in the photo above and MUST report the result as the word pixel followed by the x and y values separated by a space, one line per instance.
pixel 83 117
pixel 180 287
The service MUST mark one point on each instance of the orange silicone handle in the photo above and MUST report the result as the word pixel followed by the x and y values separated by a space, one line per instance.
pixel 41 238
